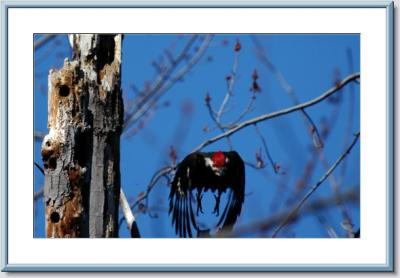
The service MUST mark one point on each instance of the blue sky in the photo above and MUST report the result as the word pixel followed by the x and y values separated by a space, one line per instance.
pixel 309 63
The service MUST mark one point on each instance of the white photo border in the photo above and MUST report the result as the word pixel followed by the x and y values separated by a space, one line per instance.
pixel 10 251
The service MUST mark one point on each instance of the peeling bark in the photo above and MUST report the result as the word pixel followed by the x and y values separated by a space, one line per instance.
pixel 81 152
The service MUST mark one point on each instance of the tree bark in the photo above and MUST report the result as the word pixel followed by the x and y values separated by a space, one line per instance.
pixel 81 152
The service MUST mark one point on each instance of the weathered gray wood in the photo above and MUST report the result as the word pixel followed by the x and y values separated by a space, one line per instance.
pixel 81 152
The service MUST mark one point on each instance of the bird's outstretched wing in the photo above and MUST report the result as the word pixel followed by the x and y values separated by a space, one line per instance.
pixel 236 179
pixel 180 197
pixel 192 173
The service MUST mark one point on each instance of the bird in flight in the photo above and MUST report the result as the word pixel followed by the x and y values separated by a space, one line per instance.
pixel 201 171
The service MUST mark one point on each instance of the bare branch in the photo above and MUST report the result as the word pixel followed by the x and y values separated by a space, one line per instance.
pixel 158 175
pixel 38 194
pixel 324 223
pixel 39 167
pixel 212 113
pixel 347 223
pixel 326 128
pixel 39 136
pixel 318 144
pixel 129 217
pixel 164 84
pixel 315 187
pixel 158 84
pixel 285 111
pixel 43 40
pixel 288 89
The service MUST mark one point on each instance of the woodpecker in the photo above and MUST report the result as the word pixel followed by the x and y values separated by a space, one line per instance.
pixel 216 171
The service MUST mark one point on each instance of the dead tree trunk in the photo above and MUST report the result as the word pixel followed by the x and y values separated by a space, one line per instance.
pixel 81 152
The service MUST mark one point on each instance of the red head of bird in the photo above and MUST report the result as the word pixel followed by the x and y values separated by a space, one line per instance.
pixel 219 159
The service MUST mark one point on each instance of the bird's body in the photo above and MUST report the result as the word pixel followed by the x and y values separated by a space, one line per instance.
pixel 198 172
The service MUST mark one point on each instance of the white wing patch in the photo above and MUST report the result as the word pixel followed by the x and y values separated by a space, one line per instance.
pixel 209 162
pixel 179 187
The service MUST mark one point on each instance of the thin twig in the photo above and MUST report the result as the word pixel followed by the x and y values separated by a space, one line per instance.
pixel 165 85
pixel 158 175
pixel 212 114
pixel 317 142
pixel 39 167
pixel 326 129
pixel 130 118
pixel 163 77
pixel 264 142
pixel 253 165
pixel 229 92
pixel 336 191
pixel 351 102
pixel 275 114
pixel 219 126
pixel 316 186
pixel 264 225
pixel 245 111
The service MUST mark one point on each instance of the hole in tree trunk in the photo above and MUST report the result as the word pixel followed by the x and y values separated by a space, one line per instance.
pixel 64 91
pixel 52 163
pixel 54 217
pixel 107 48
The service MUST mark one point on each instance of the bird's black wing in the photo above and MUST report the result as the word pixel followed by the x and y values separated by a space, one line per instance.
pixel 236 180
pixel 180 197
